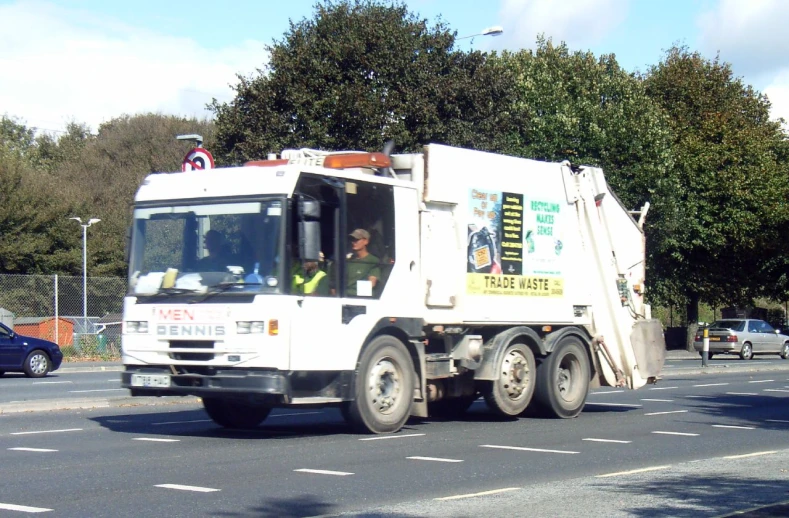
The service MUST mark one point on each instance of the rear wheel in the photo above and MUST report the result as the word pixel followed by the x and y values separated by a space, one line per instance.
pixel 563 379
pixel 512 391
pixel 37 364
pixel 746 353
pixel 384 387
pixel 784 351
pixel 232 414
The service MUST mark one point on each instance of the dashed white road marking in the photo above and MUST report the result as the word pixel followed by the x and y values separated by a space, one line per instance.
pixel 777 420
pixel 742 394
pixel 472 495
pixel 43 450
pixel 684 434
pixel 23 508
pixel 324 472
pixel 663 388
pixel 154 439
pixel 755 454
pixel 606 440
pixel 658 400
pixel 520 448
pixel 294 414
pixel 701 397
pixel 734 427
pixel 760 381
pixel 188 488
pixel 624 405
pixel 710 385
pixel 50 382
pixel 392 437
pixel 776 390
pixel 608 392
pixel 181 422
pixel 48 431
pixel 667 412
pixel 642 470
pixel 95 390
pixel 434 459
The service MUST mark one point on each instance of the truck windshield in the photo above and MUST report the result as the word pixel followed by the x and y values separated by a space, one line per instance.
pixel 197 248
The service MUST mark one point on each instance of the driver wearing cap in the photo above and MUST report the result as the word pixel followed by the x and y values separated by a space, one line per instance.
pixel 362 265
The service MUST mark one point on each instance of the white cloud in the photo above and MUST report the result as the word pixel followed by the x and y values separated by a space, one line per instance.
pixel 59 65
pixel 751 36
pixel 580 23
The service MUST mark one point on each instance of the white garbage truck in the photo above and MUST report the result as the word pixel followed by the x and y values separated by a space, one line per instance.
pixel 386 285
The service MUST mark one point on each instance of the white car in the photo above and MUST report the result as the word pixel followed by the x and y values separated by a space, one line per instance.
pixel 745 337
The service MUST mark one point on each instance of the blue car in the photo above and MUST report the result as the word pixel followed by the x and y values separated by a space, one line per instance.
pixel 33 356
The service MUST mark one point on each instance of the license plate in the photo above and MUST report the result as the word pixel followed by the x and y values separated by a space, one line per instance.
pixel 150 380
pixel 715 339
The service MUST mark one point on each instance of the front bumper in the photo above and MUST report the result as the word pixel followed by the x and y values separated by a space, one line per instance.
pixel 269 386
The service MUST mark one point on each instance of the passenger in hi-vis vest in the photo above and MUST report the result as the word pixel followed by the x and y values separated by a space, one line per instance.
pixel 309 279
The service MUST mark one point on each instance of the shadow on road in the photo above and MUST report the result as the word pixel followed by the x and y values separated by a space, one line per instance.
pixel 302 506
pixel 762 411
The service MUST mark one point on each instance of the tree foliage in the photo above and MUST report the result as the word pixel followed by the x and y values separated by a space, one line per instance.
pixel 731 184
pixel 355 75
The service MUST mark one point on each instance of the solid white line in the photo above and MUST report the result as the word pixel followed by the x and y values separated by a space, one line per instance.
pixel 668 412
pixel 519 448
pixel 626 405
pixel 607 440
pixel 472 495
pixel 324 472
pixel 761 381
pixel 663 388
pixel 434 459
pixel 294 414
pixel 31 449
pixel 776 390
pixel 392 437
pixel 642 470
pixel 678 433
pixel 48 431
pixel 711 385
pixel 23 508
pixel 181 422
pixel 153 439
pixel 776 420
pixel 734 427
pixel 188 488
pixel 95 390
pixel 50 382
pixel 756 454
pixel 742 394
pixel 659 400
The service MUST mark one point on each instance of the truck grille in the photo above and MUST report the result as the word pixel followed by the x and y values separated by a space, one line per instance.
pixel 192 356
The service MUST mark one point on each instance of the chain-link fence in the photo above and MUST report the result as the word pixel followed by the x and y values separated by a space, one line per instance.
pixel 53 307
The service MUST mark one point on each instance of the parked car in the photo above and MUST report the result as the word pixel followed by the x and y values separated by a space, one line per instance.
pixel 745 337
pixel 33 356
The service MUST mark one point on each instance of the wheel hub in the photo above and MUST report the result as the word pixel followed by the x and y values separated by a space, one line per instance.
pixel 37 364
pixel 384 386
pixel 515 374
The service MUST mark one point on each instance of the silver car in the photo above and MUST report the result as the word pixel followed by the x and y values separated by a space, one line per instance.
pixel 744 337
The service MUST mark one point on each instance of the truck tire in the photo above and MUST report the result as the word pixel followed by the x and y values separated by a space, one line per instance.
pixel 232 414
pixel 563 379
pixel 512 391
pixel 383 386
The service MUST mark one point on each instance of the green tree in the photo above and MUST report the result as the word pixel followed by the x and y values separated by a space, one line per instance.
pixel 358 73
pixel 731 194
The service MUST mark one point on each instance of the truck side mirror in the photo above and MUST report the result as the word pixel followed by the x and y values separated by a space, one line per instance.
pixel 309 212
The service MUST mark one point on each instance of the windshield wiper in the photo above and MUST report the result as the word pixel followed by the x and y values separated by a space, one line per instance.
pixel 175 291
pixel 223 287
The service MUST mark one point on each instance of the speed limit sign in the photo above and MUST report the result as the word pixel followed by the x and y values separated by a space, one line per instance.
pixel 197 158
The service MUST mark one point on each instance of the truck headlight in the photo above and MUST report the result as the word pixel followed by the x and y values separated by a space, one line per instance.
pixel 137 327
pixel 250 327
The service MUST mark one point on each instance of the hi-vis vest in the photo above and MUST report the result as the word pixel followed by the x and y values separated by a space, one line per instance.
pixel 307 287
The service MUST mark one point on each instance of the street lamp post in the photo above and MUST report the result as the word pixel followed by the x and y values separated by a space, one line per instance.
pixel 85 226
pixel 496 30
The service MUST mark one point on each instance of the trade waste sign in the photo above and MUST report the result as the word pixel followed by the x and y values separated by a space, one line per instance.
pixel 514 245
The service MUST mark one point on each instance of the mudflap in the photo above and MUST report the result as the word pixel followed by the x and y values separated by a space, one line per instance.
pixel 649 346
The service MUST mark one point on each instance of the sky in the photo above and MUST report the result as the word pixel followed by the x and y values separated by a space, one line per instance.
pixel 89 61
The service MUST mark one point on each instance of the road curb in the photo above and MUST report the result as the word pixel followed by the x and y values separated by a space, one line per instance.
pixel 48 405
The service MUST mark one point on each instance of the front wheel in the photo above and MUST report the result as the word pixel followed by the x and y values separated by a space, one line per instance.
pixel 384 387
pixel 232 414
pixel 746 353
pixel 785 351
pixel 37 364
pixel 511 392
pixel 563 379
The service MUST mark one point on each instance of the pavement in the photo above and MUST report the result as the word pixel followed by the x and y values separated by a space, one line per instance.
pixel 678 363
